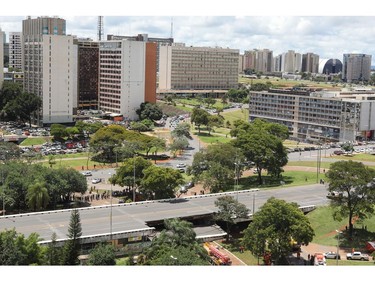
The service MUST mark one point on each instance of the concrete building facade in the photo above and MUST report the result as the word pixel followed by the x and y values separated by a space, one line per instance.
pixel 318 116
pixel 198 68
pixel 127 76
pixel 310 63
pixel 15 50
pixel 50 68
pixel 88 74
pixel 356 67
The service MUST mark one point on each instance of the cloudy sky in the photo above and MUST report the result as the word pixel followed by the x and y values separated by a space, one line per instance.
pixel 242 25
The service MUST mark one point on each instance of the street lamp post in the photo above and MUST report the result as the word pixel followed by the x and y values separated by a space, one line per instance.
pixel 110 216
pixel 236 178
pixel 338 241
pixel 134 179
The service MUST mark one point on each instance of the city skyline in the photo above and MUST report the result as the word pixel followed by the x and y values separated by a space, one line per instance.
pixel 327 36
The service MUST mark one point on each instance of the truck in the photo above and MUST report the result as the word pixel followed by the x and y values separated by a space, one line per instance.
pixel 358 256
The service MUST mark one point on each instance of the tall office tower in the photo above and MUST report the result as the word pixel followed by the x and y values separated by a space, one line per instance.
pixel 277 63
pixel 198 68
pixel 15 50
pixel 264 60
pixel 291 62
pixel 127 76
pixel 310 63
pixel 250 59
pixel 356 67
pixel 144 38
pixel 88 73
pixel 1 58
pixel 50 68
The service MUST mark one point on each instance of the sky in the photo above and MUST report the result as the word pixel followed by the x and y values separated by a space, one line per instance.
pixel 278 25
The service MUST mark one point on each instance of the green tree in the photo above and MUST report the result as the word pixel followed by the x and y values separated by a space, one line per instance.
pixel 58 131
pixel 229 209
pixel 261 143
pixel 37 196
pixel 102 254
pixel 28 104
pixel 181 130
pixel 176 245
pixel 199 117
pixel 209 101
pixel 178 144
pixel 347 147
pixel 215 166
pixel 356 183
pixel 16 250
pixel 160 182
pixel 53 252
pixel 274 226
pixel 214 121
pixel 150 111
pixel 131 172
pixel 72 246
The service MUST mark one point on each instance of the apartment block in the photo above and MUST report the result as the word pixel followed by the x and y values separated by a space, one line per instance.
pixel 317 116
pixel 259 60
pixel 291 62
pixel 127 76
pixel 197 68
pixel 15 50
pixel 310 63
pixel 356 67
pixel 50 68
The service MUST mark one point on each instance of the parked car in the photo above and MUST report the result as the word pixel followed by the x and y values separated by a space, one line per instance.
pixel 332 255
pixel 181 170
pixel 358 256
pixel 338 152
pixel 94 181
pixel 181 165
pixel 87 173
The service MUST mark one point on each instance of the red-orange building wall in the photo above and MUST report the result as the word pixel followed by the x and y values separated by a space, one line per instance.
pixel 150 75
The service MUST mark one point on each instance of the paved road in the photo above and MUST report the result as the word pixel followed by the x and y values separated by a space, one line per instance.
pixel 129 217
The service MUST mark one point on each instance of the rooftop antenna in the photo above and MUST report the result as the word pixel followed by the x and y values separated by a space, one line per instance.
pixel 100 28
pixel 171 27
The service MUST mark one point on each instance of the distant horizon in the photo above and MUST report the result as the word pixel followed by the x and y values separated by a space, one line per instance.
pixel 327 36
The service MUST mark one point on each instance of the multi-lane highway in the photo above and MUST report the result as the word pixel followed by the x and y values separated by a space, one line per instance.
pixel 134 217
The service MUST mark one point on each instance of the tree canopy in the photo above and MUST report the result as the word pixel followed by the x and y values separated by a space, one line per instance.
pixel 176 245
pixel 355 185
pixel 150 111
pixel 273 228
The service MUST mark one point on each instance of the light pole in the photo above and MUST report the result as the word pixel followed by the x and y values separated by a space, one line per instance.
pixel 110 217
pixel 236 178
pixel 338 241
pixel 134 178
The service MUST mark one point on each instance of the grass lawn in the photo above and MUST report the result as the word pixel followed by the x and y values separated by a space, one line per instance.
pixel 356 157
pixel 211 139
pixel 35 141
pixel 290 178
pixel 74 163
pixel 240 114
pixel 324 165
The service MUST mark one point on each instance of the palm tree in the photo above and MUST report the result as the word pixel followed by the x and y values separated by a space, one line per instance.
pixel 37 196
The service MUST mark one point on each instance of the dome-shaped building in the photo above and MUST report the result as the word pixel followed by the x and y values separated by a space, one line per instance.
pixel 330 66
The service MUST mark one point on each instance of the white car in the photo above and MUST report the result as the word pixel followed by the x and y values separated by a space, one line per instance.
pixel 181 165
pixel 94 181
pixel 87 174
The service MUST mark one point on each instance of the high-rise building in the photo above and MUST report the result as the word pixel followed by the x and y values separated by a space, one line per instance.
pixel 1 58
pixel 259 60
pixel 291 62
pixel 310 63
pixel 144 38
pixel 127 76
pixel 198 68
pixel 356 67
pixel 15 50
pixel 50 68
pixel 88 73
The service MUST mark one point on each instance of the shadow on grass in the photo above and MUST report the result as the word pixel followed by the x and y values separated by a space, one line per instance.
pixel 268 181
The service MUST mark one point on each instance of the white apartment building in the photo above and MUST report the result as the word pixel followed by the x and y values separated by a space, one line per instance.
pixel 127 76
pixel 59 81
pixel 1 58
pixel 197 68
pixel 15 50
